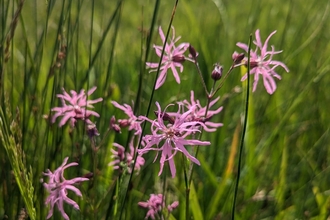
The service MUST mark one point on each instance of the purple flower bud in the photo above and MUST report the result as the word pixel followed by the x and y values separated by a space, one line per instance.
pixel 165 117
pixel 237 57
pixel 217 72
pixel 113 125
pixel 192 51
pixel 92 130
pixel 123 123
pixel 178 58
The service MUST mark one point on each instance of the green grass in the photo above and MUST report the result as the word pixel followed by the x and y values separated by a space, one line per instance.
pixel 285 167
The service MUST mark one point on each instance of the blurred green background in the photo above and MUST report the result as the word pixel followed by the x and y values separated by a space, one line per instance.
pixel 285 172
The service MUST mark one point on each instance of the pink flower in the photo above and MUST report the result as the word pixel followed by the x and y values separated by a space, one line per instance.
pixel 198 113
pixel 118 156
pixel 75 109
pixel 173 57
pixel 133 122
pixel 155 204
pixel 58 186
pixel 263 64
pixel 122 160
pixel 173 136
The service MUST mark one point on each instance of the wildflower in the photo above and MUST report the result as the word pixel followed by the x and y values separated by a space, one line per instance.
pixel 263 64
pixel 58 186
pixel 173 137
pixel 173 57
pixel 172 206
pixel 76 107
pixel 199 113
pixel 133 122
pixel 92 130
pixel 126 161
pixel 113 125
pixel 155 204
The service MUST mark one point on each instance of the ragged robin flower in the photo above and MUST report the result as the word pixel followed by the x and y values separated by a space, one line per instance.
pixel 172 137
pixel 58 187
pixel 74 107
pixel 133 122
pixel 155 204
pixel 173 57
pixel 262 63
pixel 126 160
pixel 198 112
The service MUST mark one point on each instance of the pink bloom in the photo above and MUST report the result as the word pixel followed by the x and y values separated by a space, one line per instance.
pixel 155 204
pixel 263 64
pixel 133 122
pixel 198 113
pixel 118 156
pixel 58 186
pixel 173 206
pixel 75 109
pixel 173 57
pixel 122 160
pixel 173 136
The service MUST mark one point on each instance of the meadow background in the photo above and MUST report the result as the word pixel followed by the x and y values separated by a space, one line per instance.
pixel 285 168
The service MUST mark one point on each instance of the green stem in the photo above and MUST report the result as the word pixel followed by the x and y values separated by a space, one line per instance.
pixel 243 132
pixel 201 75
pixel 187 186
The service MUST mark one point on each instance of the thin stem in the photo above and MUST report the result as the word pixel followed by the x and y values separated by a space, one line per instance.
pixel 197 147
pixel 223 80
pixel 187 186
pixel 243 132
pixel 150 101
pixel 191 169
pixel 163 198
pixel 201 75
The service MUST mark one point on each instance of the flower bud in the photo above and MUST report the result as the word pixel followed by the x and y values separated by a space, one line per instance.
pixel 192 51
pixel 173 206
pixel 217 72
pixel 165 117
pixel 253 64
pixel 123 123
pixel 113 125
pixel 237 57
pixel 92 130
pixel 178 59
pixel 88 175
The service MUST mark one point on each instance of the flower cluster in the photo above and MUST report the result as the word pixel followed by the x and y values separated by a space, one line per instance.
pixel 155 204
pixel 57 187
pixel 170 132
pixel 124 160
pixel 201 114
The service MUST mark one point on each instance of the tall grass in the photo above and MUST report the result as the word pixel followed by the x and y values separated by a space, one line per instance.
pixel 50 45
